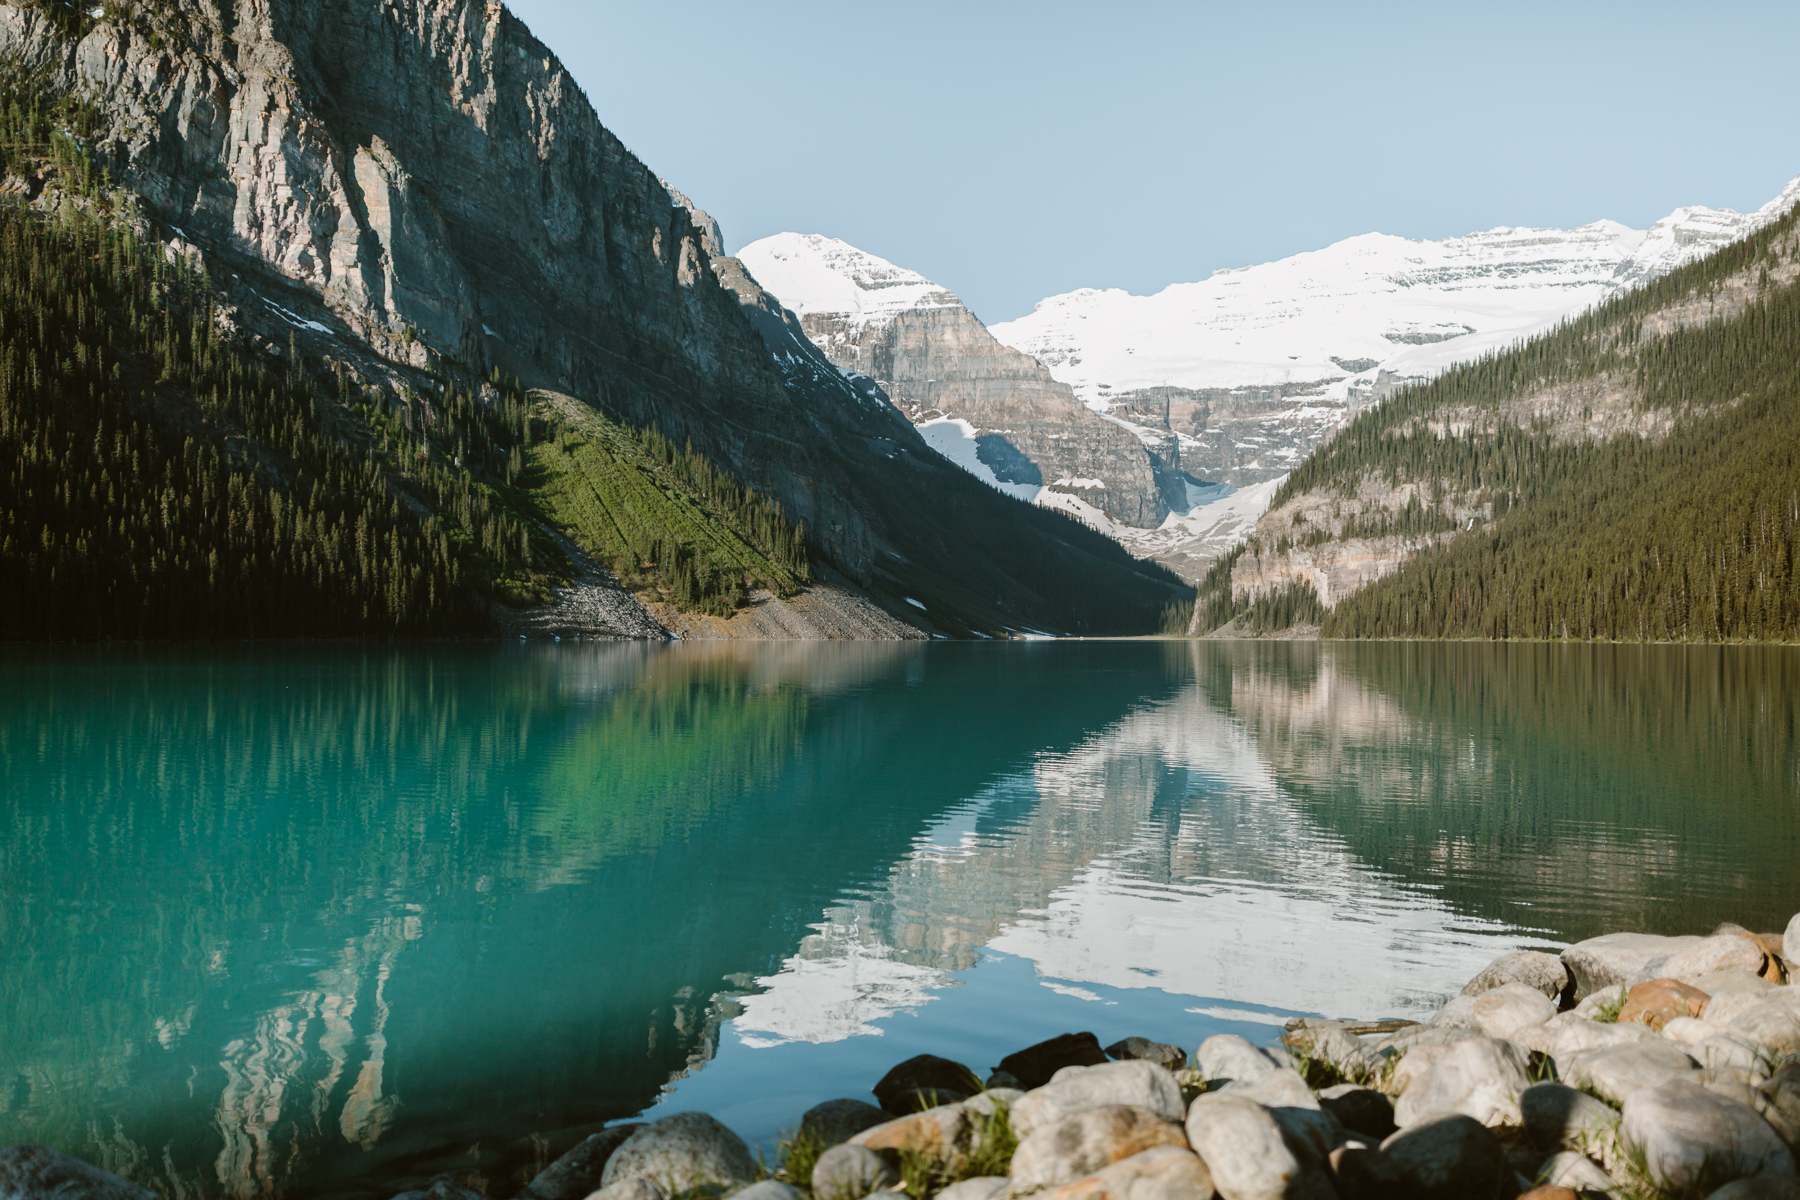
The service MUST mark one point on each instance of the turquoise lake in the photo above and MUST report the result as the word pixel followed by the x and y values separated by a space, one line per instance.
pixel 323 921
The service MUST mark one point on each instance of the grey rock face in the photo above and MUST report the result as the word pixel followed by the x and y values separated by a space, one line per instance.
pixel 426 175
pixel 37 1173
pixel 687 1150
pixel 851 1172
pixel 1690 1137
pixel 933 358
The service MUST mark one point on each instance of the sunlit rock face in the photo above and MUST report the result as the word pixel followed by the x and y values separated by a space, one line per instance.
pixel 935 360
pixel 1251 367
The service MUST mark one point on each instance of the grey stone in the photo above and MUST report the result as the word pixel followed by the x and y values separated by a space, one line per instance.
pixel 1618 958
pixel 848 1172
pixel 630 1189
pixel 1247 1155
pixel 1087 1141
pixel 832 1122
pixel 680 1152
pixel 1277 1089
pixel 1568 1034
pixel 1772 1023
pixel 1161 1053
pixel 1458 1012
pixel 1136 1083
pixel 1719 952
pixel 1478 1077
pixel 1557 1117
pixel 1540 971
pixel 441 1188
pixel 1780 1105
pixel 39 1173
pixel 1036 1065
pixel 578 1173
pixel 1690 1138
pixel 1450 1158
pixel 1331 1043
pixel 1790 944
pixel 1616 1073
pixel 1162 1173
pixel 1505 1011
pixel 1226 1056
pixel 1360 1109
pixel 1611 996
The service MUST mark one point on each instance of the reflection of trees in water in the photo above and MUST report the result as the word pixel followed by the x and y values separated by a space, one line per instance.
pixel 1583 788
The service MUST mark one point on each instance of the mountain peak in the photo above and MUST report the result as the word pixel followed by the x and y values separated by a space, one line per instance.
pixel 814 274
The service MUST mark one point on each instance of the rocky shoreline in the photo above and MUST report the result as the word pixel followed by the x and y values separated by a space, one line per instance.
pixel 1631 1065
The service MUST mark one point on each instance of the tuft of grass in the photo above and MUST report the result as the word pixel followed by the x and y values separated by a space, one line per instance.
pixel 799 1154
pixel 992 1142
pixel 1608 1013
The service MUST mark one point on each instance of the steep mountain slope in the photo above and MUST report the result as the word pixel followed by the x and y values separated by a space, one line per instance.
pixel 417 192
pixel 1634 474
pixel 938 363
pixel 1250 368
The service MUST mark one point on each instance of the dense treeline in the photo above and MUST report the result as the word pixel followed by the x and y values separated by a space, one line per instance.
pixel 1689 534
pixel 162 478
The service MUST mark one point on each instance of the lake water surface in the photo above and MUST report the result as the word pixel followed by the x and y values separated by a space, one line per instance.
pixel 321 922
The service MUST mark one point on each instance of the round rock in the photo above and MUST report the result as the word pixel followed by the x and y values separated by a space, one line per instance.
pixel 1164 1173
pixel 836 1121
pixel 924 1077
pixel 1477 1077
pixel 1036 1065
pixel 1690 1138
pixel 1541 972
pixel 1451 1158
pixel 1361 1109
pixel 851 1172
pixel 1226 1056
pixel 1244 1151
pixel 678 1153
pixel 1088 1141
pixel 1136 1083
pixel 1171 1058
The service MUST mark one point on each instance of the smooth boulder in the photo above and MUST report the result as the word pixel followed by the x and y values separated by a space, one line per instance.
pixel 1618 958
pixel 1451 1158
pixel 769 1189
pixel 1136 1083
pixel 1790 943
pixel 982 1187
pixel 850 1172
pixel 1557 1117
pixel 1226 1056
pixel 1542 972
pixel 579 1172
pixel 688 1150
pixel 1163 1173
pixel 1359 1109
pixel 1690 1138
pixel 1576 1173
pixel 1616 1073
pixel 1506 1011
pixel 1656 1002
pixel 1718 952
pixel 1036 1065
pixel 1246 1154
pixel 832 1122
pixel 1477 1077
pixel 924 1078
pixel 1082 1143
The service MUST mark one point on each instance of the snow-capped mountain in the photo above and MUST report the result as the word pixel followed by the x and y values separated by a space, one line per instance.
pixel 1251 367
pixel 987 407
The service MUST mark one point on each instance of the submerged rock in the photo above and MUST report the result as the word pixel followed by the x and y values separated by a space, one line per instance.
pixel 578 1173
pixel 39 1173
pixel 1163 1054
pixel 682 1152
pixel 1034 1066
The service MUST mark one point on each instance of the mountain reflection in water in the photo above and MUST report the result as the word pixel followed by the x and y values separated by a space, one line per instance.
pixel 302 922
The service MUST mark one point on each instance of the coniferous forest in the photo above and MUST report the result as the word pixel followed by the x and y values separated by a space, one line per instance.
pixel 1688 533
pixel 160 476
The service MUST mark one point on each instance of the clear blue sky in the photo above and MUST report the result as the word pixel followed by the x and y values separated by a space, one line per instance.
pixel 1011 150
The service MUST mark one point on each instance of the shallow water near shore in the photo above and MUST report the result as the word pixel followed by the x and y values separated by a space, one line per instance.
pixel 326 921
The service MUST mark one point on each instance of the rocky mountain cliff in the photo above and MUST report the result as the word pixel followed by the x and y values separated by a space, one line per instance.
pixel 942 368
pixel 419 187
pixel 1252 367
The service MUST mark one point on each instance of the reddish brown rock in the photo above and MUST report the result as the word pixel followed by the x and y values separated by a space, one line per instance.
pixel 1656 1002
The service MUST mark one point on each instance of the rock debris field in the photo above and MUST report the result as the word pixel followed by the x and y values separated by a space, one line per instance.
pixel 1630 1065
